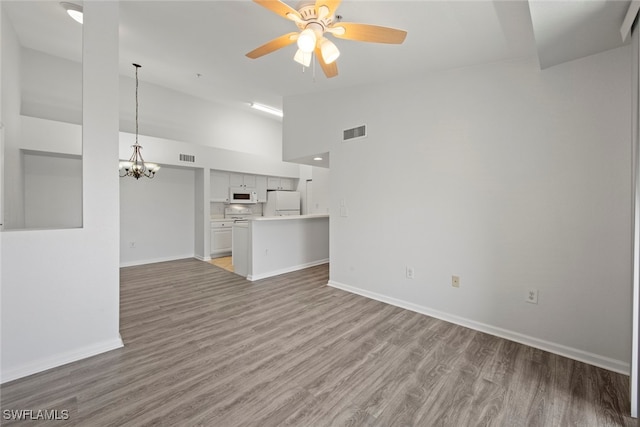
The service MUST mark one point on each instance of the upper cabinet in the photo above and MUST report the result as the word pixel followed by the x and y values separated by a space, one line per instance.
pixel 219 186
pixel 222 181
pixel 240 180
pixel 275 183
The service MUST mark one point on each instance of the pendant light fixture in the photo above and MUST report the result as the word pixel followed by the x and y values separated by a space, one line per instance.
pixel 136 166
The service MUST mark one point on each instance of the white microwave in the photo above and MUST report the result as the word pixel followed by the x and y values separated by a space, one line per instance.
pixel 243 195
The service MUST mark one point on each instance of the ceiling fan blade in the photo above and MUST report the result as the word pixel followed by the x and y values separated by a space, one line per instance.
pixel 279 8
pixel 367 33
pixel 273 45
pixel 330 70
pixel 331 6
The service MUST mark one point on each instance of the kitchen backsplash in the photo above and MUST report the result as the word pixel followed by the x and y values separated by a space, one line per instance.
pixel 217 209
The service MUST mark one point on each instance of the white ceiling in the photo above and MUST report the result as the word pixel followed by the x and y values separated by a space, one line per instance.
pixel 567 30
pixel 174 41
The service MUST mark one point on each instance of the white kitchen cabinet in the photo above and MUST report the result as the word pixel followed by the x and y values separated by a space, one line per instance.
pixel 249 181
pixel 221 234
pixel 219 186
pixel 241 180
pixel 261 188
pixel 286 184
pixel 276 183
pixel 273 183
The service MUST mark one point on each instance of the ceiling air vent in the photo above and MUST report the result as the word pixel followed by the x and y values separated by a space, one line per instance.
pixel 187 158
pixel 354 133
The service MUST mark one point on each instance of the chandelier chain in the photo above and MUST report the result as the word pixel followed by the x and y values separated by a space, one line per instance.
pixel 137 66
pixel 136 166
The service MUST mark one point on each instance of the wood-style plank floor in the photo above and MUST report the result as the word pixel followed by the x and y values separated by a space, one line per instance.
pixel 205 347
pixel 223 262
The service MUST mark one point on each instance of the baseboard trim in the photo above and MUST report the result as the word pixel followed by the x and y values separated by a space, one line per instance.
pixel 219 255
pixel 572 353
pixel 60 359
pixel 163 259
pixel 254 277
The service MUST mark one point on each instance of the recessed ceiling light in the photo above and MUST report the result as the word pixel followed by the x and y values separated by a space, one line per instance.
pixel 267 109
pixel 74 10
pixel 317 159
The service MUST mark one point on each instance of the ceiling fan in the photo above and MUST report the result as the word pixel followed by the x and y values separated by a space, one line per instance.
pixel 315 19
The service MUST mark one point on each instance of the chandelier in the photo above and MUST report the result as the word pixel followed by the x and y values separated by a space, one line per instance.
pixel 136 166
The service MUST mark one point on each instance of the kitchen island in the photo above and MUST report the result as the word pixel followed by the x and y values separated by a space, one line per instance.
pixel 268 246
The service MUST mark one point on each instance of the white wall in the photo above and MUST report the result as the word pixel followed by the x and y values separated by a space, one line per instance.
pixel 314 194
pixel 165 113
pixel 282 245
pixel 50 136
pixel 13 185
pixel 51 87
pixel 40 136
pixel 167 152
pixel 634 379
pixel 157 215
pixel 52 190
pixel 51 156
pixel 50 84
pixel 506 176
pixel 60 288
pixel 321 194
pixel 306 173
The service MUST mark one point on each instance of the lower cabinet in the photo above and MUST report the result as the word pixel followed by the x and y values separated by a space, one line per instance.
pixel 221 233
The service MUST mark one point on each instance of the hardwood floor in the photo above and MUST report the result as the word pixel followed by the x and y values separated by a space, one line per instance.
pixel 205 347
pixel 223 262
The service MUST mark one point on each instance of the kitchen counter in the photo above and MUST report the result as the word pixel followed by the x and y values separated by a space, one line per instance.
pixel 269 246
pixel 289 217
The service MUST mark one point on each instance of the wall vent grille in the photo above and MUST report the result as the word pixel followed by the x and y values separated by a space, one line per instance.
pixel 354 133
pixel 187 158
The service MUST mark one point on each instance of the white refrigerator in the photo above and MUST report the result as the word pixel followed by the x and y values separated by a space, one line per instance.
pixel 280 203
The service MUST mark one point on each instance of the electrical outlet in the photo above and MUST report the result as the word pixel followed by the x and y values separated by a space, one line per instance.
pixel 455 281
pixel 532 296
pixel 410 273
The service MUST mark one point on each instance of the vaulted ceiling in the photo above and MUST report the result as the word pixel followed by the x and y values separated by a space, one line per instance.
pixel 199 47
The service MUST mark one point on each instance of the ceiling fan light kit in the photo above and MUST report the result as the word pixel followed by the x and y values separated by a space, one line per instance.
pixel 329 50
pixel 307 40
pixel 314 19
pixel 303 58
